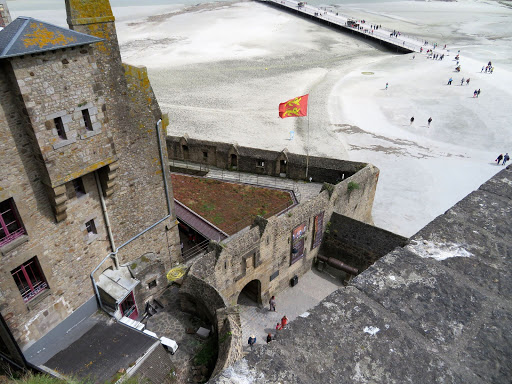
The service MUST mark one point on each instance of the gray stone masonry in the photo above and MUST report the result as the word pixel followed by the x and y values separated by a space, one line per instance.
pixel 356 243
pixel 436 311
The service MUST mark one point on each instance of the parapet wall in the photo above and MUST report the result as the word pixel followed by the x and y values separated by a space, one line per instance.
pixel 356 243
pixel 197 296
pixel 260 161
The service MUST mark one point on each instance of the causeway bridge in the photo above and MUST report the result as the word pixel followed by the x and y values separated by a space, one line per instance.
pixel 382 36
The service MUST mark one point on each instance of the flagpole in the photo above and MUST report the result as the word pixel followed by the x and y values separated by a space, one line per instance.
pixel 307 145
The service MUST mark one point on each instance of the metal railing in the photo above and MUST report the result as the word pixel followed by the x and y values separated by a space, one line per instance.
pixel 185 164
pixel 196 250
pixel 254 179
pixel 322 13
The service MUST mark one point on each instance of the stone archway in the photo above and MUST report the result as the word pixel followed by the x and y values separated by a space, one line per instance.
pixel 250 294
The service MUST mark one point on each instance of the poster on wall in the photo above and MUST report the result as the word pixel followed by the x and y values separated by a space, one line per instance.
pixel 298 235
pixel 318 225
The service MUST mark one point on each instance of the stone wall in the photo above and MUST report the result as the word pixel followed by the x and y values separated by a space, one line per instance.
pixel 264 252
pixel 199 297
pixel 260 161
pixel 55 85
pixel 356 243
pixel 64 250
pixel 122 149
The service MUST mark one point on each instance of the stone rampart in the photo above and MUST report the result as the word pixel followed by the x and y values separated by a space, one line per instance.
pixel 260 161
pixel 202 299
pixel 356 243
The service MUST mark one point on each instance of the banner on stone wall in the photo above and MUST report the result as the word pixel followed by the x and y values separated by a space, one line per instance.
pixel 298 235
pixel 318 225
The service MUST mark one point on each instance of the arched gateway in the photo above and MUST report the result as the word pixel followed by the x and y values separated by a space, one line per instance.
pixel 250 294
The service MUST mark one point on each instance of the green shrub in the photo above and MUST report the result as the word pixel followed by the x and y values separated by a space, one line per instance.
pixel 352 186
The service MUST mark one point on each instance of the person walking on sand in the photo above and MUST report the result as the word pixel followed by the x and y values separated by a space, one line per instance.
pixel 412 120
pixel 269 338
pixel 272 303
pixel 505 159
pixel 251 341
pixel 499 158
pixel 429 121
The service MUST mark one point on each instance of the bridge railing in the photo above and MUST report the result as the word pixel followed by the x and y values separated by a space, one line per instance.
pixel 323 13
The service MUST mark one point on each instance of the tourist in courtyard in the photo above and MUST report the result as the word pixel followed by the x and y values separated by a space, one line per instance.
pixel 284 321
pixel 278 327
pixel 505 159
pixel 272 303
pixel 251 341
pixel 499 158
pixel 467 81
pixel 478 92
pixel 429 121
pixel 269 338
pixel 292 134
pixel 450 81
pixel 462 81
pixel 475 94
pixel 412 120
pixel 387 85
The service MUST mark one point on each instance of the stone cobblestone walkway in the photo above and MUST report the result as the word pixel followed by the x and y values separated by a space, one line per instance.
pixel 292 302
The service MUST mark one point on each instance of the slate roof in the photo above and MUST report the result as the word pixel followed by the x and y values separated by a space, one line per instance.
pixel 26 35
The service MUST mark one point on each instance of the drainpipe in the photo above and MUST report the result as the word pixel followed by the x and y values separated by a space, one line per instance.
pixel 105 215
pixel 158 125
pixel 116 250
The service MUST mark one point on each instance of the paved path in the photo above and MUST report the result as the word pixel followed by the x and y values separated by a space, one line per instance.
pixel 303 191
pixel 313 287
pixel 410 43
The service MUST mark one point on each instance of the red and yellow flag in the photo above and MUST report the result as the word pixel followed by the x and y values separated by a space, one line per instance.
pixel 294 108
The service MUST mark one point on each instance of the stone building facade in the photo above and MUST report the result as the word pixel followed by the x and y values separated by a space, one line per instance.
pixel 82 140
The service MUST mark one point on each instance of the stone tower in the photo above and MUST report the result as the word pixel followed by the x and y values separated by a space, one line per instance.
pixel 84 177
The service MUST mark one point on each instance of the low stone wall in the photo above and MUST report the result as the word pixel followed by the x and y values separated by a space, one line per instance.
pixel 230 338
pixel 200 298
pixel 356 243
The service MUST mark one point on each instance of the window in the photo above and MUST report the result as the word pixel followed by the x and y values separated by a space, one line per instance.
pixel 261 163
pixel 10 223
pixel 91 228
pixel 87 119
pixel 78 185
pixel 205 155
pixel 59 126
pixel 152 284
pixel 30 279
